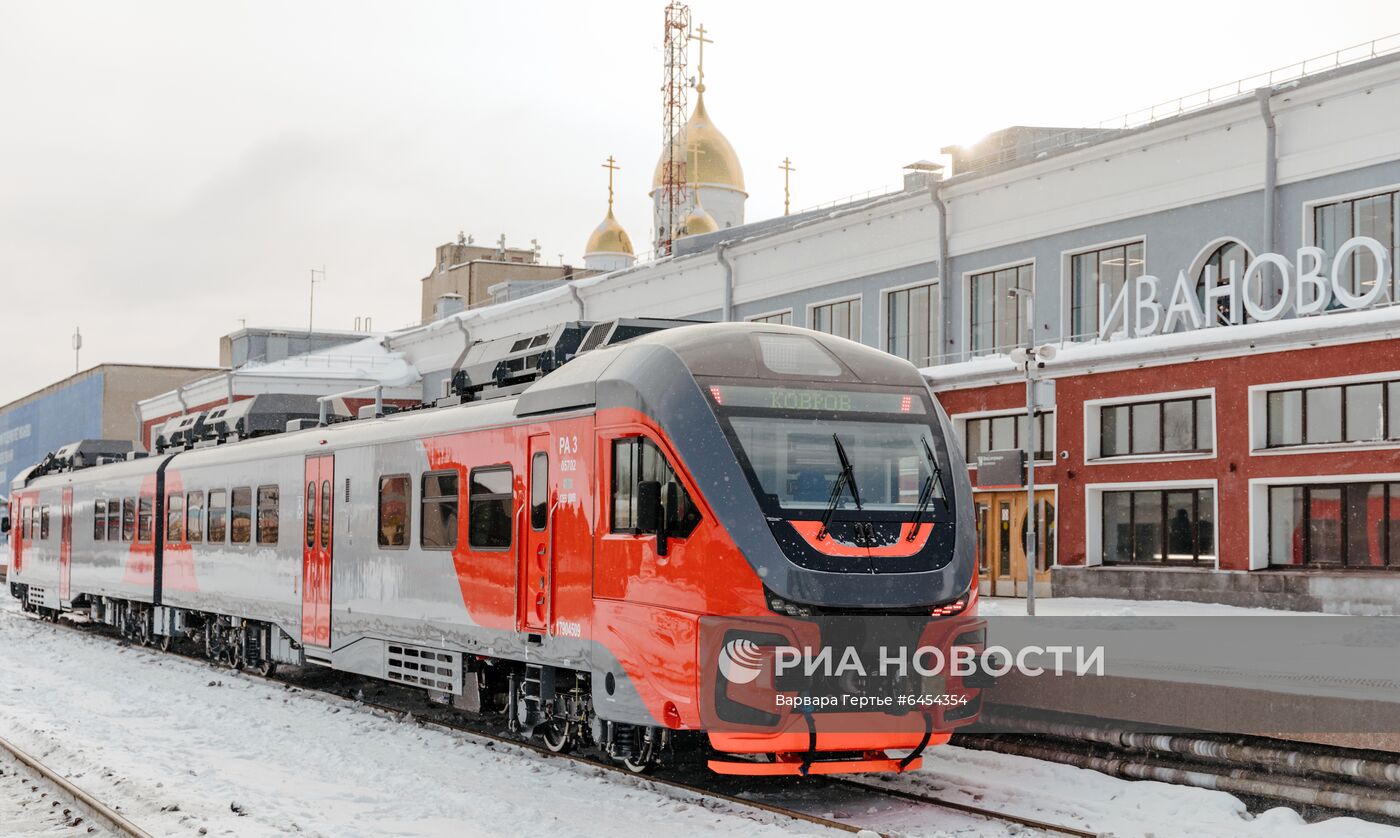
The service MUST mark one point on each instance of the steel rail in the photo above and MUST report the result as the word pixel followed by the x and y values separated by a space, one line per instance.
pixel 96 811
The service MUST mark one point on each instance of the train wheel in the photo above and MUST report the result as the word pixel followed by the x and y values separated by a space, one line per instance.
pixel 266 669
pixel 557 737
pixel 641 761
pixel 164 642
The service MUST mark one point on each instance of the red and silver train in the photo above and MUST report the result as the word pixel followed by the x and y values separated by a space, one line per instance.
pixel 543 545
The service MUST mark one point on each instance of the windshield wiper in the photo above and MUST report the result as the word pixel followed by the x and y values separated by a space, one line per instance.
pixel 926 494
pixel 847 477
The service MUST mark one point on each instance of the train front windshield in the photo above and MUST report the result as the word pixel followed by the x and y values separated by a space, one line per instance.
pixel 795 442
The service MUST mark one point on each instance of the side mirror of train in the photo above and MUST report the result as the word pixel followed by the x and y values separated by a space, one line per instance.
pixel 649 506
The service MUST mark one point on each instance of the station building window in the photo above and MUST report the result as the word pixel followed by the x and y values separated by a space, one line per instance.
pixel 1362 412
pixel 489 506
pixel 1159 526
pixel 394 498
pixel 911 323
pixel 1184 425
pixel 1347 525
pixel 996 319
pixel 1373 216
pixel 840 318
pixel 439 511
pixel 1109 269
pixel 780 318
pixel 1229 258
pixel 999 433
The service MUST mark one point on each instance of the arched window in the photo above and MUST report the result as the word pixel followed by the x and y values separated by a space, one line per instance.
pixel 1227 256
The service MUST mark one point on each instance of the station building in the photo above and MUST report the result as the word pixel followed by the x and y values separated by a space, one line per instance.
pixel 1206 449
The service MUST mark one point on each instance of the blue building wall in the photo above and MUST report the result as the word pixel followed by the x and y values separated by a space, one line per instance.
pixel 54 419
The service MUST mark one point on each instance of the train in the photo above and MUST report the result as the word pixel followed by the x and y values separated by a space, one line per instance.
pixel 547 540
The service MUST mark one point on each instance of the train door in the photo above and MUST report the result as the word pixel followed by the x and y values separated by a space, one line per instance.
pixel 317 550
pixel 535 579
pixel 65 547
pixel 20 533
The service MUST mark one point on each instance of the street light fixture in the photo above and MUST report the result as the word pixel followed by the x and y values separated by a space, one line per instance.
pixel 1029 358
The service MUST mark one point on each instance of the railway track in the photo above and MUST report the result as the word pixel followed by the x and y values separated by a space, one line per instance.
pixel 93 811
pixel 826 801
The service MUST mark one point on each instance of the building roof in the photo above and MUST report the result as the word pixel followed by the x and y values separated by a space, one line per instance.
pixel 99 369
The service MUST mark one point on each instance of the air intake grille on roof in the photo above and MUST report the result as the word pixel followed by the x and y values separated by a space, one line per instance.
pixel 431 668
pixel 595 336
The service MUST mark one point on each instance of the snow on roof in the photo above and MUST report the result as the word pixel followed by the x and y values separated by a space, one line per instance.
pixel 1381 323
pixel 362 360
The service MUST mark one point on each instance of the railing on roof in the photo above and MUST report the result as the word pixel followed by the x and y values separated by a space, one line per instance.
pixel 1216 95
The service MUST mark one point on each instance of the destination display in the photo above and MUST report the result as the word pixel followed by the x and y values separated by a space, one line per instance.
pixel 835 401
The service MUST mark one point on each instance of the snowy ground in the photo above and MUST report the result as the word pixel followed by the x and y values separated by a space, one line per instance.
pixel 182 747
pixel 1089 607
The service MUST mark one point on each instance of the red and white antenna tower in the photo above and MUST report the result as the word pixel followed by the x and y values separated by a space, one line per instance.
pixel 674 95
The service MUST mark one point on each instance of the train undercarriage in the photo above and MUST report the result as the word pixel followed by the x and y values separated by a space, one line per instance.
pixel 533 701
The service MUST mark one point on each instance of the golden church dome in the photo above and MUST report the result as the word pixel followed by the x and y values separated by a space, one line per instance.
pixel 699 221
pixel 710 159
pixel 609 237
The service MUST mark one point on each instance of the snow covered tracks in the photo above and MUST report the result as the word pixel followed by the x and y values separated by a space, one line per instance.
pixel 94 813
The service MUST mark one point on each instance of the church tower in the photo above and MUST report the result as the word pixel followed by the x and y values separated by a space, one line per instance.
pixel 609 248
pixel 714 178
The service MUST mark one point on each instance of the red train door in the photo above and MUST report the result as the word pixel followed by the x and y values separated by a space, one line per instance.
pixel 316 551
pixel 19 520
pixel 536 576
pixel 65 548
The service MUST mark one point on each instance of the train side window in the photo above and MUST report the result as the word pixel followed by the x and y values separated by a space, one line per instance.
pixel 311 513
pixel 194 517
pixel 218 515
pixel 99 520
pixel 114 519
pixel 44 522
pixel 539 491
pixel 325 513
pixel 128 519
pixel 241 515
pixel 174 518
pixel 145 517
pixel 394 497
pixel 637 460
pixel 490 504
pixel 624 483
pixel 438 517
pixel 269 514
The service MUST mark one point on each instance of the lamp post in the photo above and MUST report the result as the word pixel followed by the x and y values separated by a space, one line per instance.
pixel 1029 357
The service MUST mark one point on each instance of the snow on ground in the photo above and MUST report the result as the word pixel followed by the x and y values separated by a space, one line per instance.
pixel 27 807
pixel 181 747
pixel 1091 607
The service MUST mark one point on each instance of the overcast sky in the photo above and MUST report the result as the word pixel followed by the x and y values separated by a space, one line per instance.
pixel 168 170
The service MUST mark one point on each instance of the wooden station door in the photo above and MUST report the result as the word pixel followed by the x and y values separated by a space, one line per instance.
pixel 1001 540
